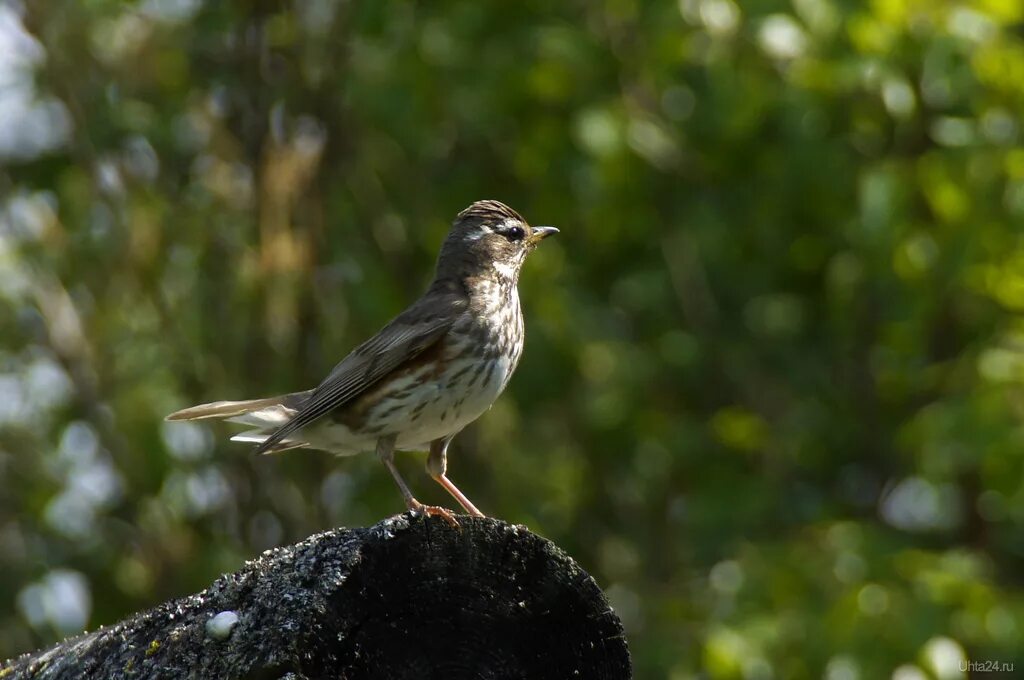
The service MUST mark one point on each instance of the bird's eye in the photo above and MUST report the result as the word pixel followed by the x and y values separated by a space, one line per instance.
pixel 515 233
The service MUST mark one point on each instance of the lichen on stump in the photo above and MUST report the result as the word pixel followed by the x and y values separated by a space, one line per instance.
pixel 410 597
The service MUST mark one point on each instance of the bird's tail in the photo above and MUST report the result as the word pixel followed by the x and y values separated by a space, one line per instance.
pixel 267 415
pixel 225 410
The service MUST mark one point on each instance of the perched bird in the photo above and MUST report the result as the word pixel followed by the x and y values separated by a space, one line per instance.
pixel 421 379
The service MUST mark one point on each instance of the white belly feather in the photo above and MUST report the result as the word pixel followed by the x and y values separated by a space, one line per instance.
pixel 435 409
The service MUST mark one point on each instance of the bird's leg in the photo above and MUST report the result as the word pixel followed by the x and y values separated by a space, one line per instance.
pixel 386 452
pixel 437 464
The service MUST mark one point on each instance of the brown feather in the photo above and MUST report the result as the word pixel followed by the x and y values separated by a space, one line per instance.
pixel 223 409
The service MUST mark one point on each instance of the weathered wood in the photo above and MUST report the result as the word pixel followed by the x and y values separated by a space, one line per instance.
pixel 406 598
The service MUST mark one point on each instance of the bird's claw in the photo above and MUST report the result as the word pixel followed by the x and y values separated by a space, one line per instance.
pixel 434 511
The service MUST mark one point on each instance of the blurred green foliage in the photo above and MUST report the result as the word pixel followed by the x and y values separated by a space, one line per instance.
pixel 772 391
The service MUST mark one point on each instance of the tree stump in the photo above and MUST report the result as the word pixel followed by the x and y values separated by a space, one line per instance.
pixel 409 597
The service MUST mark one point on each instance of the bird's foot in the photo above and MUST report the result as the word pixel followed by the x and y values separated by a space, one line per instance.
pixel 434 511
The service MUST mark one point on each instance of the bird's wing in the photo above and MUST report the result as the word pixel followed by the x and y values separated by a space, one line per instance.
pixel 409 334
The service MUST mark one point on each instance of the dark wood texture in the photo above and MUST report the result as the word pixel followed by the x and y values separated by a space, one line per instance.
pixel 406 598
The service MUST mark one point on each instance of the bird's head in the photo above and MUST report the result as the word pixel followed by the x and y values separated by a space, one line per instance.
pixel 491 239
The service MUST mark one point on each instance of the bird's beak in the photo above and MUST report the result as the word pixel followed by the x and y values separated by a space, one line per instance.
pixel 541 233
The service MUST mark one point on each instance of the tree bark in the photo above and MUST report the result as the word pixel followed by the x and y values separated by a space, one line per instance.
pixel 409 597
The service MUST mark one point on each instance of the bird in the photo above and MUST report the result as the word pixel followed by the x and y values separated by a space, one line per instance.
pixel 423 377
